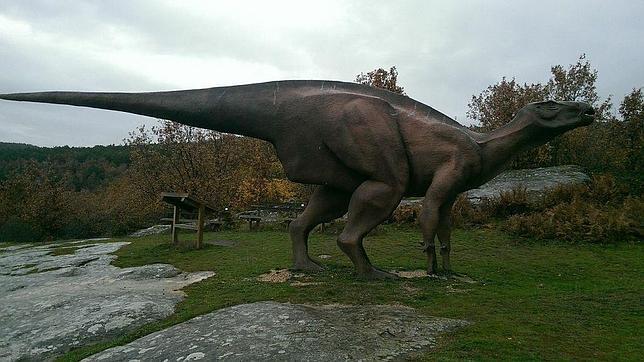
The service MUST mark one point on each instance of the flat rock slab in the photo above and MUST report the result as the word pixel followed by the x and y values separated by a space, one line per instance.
pixel 52 303
pixel 270 331
pixel 536 181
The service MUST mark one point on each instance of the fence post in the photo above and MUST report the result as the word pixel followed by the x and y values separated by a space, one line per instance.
pixel 175 220
pixel 200 222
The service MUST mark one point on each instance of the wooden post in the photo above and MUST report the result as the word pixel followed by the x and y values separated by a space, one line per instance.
pixel 183 201
pixel 175 220
pixel 200 222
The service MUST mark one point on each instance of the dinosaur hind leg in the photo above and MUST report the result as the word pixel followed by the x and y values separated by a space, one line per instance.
pixel 371 203
pixel 326 204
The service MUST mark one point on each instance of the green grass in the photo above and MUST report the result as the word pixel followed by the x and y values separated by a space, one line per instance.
pixel 63 251
pixel 67 249
pixel 533 300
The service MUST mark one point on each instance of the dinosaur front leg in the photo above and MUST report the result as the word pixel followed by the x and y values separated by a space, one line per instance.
pixel 371 203
pixel 428 219
pixel 444 232
pixel 325 204
pixel 438 194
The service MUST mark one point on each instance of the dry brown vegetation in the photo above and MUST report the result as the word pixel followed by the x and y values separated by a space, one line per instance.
pixel 600 212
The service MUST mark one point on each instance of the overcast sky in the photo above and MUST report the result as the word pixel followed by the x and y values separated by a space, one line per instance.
pixel 445 51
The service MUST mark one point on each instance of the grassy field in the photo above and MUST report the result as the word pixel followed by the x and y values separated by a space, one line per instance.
pixel 532 300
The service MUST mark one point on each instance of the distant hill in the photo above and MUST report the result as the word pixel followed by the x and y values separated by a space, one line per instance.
pixel 8 145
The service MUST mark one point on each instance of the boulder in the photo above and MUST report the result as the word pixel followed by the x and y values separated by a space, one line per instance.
pixel 536 181
pixel 270 331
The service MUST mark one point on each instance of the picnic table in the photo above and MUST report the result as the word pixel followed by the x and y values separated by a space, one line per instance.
pixel 186 202
pixel 282 213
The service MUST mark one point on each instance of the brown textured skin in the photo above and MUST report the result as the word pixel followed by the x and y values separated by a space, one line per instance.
pixel 365 147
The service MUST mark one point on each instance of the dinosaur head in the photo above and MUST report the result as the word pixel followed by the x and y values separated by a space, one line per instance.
pixel 559 115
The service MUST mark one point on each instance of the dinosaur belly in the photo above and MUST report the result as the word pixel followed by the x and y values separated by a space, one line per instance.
pixel 343 143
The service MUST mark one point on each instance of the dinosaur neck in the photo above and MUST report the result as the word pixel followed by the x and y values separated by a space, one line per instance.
pixel 501 146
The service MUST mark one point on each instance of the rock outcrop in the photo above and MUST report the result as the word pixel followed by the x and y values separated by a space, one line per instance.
pixel 59 296
pixel 536 181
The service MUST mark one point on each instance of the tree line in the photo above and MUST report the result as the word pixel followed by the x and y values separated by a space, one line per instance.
pixel 85 168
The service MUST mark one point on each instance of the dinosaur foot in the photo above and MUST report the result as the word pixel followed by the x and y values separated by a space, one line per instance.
pixel 377 274
pixel 307 265
pixel 442 275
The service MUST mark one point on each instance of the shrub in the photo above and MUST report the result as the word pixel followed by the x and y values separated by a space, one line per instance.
pixel 561 194
pixel 508 203
pixel 581 220
pixel 406 214
pixel 16 230
pixel 599 212
pixel 465 214
pixel 604 189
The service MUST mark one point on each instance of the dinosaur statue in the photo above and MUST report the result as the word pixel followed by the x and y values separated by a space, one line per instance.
pixel 364 147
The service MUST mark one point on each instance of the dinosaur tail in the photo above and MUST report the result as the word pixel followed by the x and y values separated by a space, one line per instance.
pixel 217 109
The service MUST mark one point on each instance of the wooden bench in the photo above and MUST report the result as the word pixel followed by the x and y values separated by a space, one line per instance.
pixel 253 218
pixel 209 224
pixel 183 201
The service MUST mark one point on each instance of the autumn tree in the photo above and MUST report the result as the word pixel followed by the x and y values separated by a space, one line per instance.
pixel 632 111
pixel 580 146
pixel 578 83
pixel 498 104
pixel 223 169
pixel 380 78
pixel 34 202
